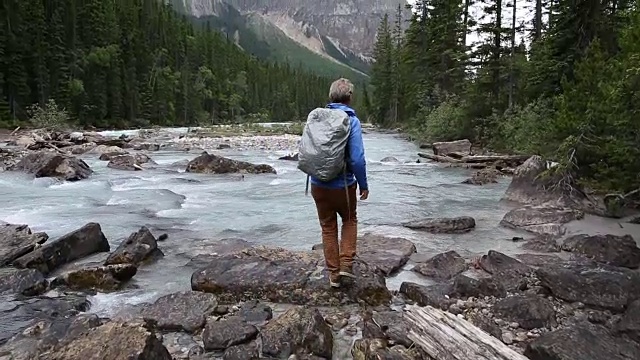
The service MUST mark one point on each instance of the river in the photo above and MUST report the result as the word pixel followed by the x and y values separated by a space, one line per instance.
pixel 196 209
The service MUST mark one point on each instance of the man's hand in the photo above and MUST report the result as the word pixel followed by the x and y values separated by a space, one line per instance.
pixel 364 194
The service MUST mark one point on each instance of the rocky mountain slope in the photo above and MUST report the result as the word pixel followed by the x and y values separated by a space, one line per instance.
pixel 328 36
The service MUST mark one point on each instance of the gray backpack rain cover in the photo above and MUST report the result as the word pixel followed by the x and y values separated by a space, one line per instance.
pixel 321 153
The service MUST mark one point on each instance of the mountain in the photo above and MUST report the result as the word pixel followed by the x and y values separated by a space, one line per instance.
pixel 330 37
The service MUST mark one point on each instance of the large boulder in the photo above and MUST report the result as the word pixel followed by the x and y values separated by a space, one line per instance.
pixel 599 286
pixel 456 225
pixel 545 220
pixel 16 241
pixel 438 295
pixel 28 282
pixel 442 266
pixel 128 162
pixel 50 164
pixel 85 241
pixel 386 253
pixel 214 164
pixel 112 341
pixel 542 243
pixel 465 286
pixel 137 248
pixel 529 311
pixel 283 276
pixel 105 278
pixel 183 311
pixel 509 272
pixel 219 334
pixel 581 341
pixel 608 249
pixel 450 147
pixel 300 331
pixel 629 324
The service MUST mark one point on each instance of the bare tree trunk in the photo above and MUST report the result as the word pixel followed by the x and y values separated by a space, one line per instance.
pixel 537 26
pixel 512 84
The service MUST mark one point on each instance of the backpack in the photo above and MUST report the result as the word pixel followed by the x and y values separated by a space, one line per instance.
pixel 322 149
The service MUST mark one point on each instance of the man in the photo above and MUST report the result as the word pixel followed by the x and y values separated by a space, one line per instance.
pixel 330 197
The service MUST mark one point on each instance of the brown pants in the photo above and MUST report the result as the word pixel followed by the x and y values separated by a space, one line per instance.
pixel 330 203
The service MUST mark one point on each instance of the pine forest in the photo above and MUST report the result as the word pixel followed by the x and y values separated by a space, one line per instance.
pixel 134 63
pixel 561 81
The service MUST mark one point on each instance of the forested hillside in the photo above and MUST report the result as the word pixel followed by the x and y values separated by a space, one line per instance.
pixel 570 92
pixel 122 63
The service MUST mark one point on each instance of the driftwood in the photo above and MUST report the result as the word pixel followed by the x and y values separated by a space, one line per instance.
pixel 458 158
pixel 439 158
pixel 444 336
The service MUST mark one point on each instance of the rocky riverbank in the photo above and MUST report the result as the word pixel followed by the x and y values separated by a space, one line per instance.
pixel 577 297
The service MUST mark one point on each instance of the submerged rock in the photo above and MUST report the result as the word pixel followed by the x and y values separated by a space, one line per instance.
pixel 50 164
pixel 16 241
pixel 105 278
pixel 541 219
pixel 289 157
pixel 488 175
pixel 608 249
pixel 214 164
pixel 389 159
pixel 284 276
pixel 299 331
pixel 112 341
pixel 456 225
pixel 442 266
pixel 85 241
pixel 28 282
pixel 137 248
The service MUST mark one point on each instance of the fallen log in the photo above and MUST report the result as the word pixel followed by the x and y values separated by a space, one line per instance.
pixel 444 336
pixel 520 159
pixel 439 158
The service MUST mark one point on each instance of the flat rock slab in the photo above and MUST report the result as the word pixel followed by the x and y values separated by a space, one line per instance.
pixel 443 225
pixel 283 276
pixel 386 253
pixel 299 331
pixel 16 241
pixel 214 164
pixel 582 341
pixel 541 219
pixel 608 249
pixel 112 341
pixel 602 286
pixel 85 241
pixel 28 282
pixel 223 333
pixel 442 266
pixel 139 247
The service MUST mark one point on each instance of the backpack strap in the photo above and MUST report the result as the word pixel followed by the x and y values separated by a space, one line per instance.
pixel 346 192
pixel 306 189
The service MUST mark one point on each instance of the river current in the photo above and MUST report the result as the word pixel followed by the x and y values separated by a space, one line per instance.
pixel 197 209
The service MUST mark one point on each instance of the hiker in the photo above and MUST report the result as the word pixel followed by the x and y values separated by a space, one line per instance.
pixel 332 154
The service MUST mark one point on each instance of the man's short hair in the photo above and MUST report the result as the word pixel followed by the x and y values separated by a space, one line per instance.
pixel 340 91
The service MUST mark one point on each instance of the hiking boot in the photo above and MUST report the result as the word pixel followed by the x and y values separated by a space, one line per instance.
pixel 347 273
pixel 334 281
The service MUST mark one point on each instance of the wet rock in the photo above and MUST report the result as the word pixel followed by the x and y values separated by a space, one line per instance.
pixel 432 295
pixel 28 282
pixel 248 351
pixel 182 311
pixel 581 341
pixel 510 272
pixel 529 311
pixel 44 335
pixel 389 159
pixel 80 148
pixel 442 266
pixel 386 253
pixel 85 241
pixel 138 247
pixel 541 219
pixel 635 220
pixel 214 164
pixel 465 286
pixel 202 256
pixel 542 243
pixel 182 345
pixel 105 278
pixel 220 334
pixel 629 325
pixel 109 151
pixel 289 157
pixel 255 312
pixel 114 341
pixel 299 331
pixel 146 146
pixel 485 323
pixel 280 275
pixel 598 286
pixel 443 225
pixel 539 260
pixel 449 147
pixel 608 249
pixel 129 162
pixel 484 176
pixel 19 313
pixel 10 157
pixel 50 164
pixel 16 241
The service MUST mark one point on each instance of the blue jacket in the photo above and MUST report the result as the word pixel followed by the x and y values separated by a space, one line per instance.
pixel 356 162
